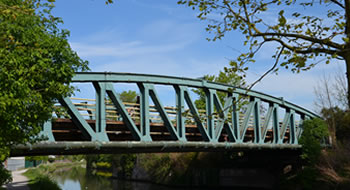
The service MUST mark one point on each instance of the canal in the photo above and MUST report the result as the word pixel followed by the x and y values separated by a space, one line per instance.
pixel 77 178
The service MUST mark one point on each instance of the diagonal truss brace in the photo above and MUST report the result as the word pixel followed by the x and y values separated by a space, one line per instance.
pixel 195 114
pixel 78 120
pixel 223 118
pixel 126 117
pixel 272 113
pixel 148 89
pixel 253 108
pixel 288 122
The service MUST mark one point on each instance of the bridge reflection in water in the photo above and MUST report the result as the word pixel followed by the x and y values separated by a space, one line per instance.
pixel 245 119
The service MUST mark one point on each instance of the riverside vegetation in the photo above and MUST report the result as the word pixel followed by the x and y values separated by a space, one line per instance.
pixel 41 176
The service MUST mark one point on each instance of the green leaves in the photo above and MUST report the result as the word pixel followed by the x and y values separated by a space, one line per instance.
pixel 315 132
pixel 282 20
pixel 303 36
pixel 36 67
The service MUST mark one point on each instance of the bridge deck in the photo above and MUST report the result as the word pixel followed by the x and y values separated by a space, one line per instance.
pixel 65 130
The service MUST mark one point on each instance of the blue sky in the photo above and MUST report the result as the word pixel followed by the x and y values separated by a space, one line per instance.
pixel 161 37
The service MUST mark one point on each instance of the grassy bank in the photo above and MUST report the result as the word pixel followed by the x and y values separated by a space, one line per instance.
pixel 41 177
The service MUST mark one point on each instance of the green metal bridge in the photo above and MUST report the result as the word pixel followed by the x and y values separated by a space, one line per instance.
pixel 245 119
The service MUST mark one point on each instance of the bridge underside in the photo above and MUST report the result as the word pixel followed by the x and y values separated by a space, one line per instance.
pixel 90 147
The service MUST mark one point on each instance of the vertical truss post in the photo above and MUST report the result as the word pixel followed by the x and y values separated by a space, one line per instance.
pixel 47 131
pixel 100 126
pixel 275 124
pixel 144 112
pixel 180 109
pixel 300 129
pixel 235 119
pixel 257 128
pixel 209 95
pixel 292 130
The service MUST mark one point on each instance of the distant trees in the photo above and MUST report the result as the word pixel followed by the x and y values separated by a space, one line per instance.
pixel 331 101
pixel 229 78
pixel 128 96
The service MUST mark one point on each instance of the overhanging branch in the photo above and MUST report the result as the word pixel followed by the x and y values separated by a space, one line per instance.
pixel 307 38
pixel 300 50
pixel 338 3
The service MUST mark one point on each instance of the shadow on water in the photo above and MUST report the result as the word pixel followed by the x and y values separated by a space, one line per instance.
pixel 76 178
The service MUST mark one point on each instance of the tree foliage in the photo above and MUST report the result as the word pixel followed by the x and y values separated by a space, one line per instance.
pixel 315 132
pixel 36 67
pixel 224 78
pixel 303 37
pixel 341 121
pixel 128 96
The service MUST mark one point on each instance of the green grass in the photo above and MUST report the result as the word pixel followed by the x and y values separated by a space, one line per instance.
pixel 40 179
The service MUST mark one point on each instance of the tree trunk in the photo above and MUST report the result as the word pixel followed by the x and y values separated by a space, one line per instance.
pixel 346 54
pixel 347 63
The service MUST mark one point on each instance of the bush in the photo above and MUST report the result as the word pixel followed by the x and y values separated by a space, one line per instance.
pixel 43 182
pixel 5 175
pixel 315 132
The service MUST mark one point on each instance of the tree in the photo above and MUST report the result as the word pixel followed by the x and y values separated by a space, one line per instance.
pixel 36 67
pixel 303 39
pixel 331 102
pixel 128 96
pixel 223 77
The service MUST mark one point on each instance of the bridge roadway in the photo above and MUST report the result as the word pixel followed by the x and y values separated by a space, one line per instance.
pixel 101 126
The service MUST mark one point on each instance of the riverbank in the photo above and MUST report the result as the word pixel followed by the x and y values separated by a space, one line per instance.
pixel 41 177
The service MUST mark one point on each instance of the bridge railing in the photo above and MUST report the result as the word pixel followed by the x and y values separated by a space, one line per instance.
pixel 277 122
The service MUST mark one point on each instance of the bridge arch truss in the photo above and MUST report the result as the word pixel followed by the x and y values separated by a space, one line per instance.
pixel 222 123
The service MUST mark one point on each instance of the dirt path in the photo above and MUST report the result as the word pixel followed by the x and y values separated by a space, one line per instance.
pixel 19 181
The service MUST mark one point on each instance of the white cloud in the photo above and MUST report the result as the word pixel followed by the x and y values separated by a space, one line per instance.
pixel 133 48
pixel 165 65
